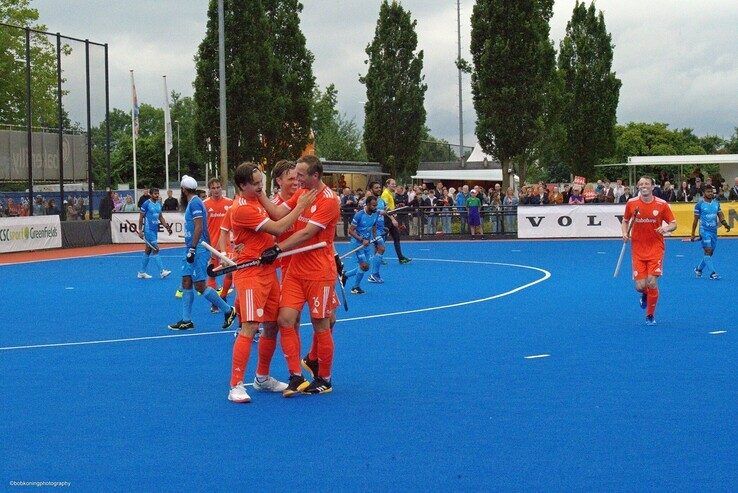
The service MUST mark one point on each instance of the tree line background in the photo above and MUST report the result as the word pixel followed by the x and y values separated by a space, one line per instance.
pixel 544 113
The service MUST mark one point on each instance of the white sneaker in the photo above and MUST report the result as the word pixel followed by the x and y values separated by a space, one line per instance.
pixel 143 275
pixel 165 273
pixel 238 394
pixel 271 384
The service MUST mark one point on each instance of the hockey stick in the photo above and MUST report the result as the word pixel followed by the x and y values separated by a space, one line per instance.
pixel 224 259
pixel 339 270
pixel 257 261
pixel 689 240
pixel 148 244
pixel 351 252
pixel 625 243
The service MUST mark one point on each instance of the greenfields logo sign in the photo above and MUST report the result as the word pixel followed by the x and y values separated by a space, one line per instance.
pixel 28 233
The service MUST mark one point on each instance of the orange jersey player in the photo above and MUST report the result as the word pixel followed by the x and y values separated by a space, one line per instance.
pixel 216 205
pixel 285 177
pixel 311 276
pixel 649 214
pixel 257 287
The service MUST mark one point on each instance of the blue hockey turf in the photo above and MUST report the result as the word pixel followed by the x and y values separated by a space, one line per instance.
pixel 478 366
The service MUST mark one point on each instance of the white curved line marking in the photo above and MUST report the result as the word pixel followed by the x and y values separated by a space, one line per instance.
pixel 546 275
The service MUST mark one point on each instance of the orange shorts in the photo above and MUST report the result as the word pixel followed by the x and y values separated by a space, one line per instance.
pixel 320 295
pixel 647 268
pixel 258 298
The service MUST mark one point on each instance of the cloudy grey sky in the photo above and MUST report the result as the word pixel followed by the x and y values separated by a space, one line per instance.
pixel 676 58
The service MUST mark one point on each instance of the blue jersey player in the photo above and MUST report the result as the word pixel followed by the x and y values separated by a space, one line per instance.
pixel 382 209
pixel 363 230
pixel 707 213
pixel 195 263
pixel 148 230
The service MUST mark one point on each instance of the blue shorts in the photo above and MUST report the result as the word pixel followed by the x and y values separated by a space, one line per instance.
pixel 709 239
pixel 380 241
pixel 364 255
pixel 198 269
pixel 152 238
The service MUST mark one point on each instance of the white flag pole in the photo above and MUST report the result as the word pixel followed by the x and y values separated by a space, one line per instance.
pixel 167 132
pixel 134 135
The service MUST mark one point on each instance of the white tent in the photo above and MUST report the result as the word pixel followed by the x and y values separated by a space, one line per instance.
pixel 478 156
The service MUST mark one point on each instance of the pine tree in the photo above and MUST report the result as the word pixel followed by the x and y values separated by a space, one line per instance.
pixel 591 90
pixel 394 111
pixel 269 82
pixel 513 63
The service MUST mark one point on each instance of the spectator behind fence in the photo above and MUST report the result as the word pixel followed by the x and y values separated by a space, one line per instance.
pixel 106 206
pixel 143 198
pixel 734 190
pixel 80 209
pixel 576 198
pixel 51 209
pixel 38 206
pixel 171 204
pixel 608 194
pixel 627 195
pixel 589 194
pixel 555 197
pixel 446 203
pixel 461 199
pixel 403 218
pixel 618 190
pixel 349 204
pixel 684 194
pixel 509 211
pixel 668 193
pixel 117 202
pixel 129 206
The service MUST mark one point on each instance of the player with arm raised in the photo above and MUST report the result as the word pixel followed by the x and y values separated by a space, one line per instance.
pixel 152 216
pixel 311 276
pixel 707 213
pixel 257 286
pixel 195 263
pixel 648 213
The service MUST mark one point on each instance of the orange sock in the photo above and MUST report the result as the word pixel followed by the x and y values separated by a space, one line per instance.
pixel 267 346
pixel 291 349
pixel 313 354
pixel 652 297
pixel 325 353
pixel 212 283
pixel 241 352
pixel 226 286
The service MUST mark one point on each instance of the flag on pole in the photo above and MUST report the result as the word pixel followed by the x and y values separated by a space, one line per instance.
pixel 135 109
pixel 167 120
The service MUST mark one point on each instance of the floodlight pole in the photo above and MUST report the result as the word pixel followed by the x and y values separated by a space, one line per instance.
pixel 178 177
pixel 461 114
pixel 222 90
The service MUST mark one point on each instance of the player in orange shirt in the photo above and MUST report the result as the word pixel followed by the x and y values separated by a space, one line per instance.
pixel 216 205
pixel 257 287
pixel 311 276
pixel 649 213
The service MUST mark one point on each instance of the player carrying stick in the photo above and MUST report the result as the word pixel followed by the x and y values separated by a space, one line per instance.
pixel 311 276
pixel 649 214
pixel 707 213
pixel 257 287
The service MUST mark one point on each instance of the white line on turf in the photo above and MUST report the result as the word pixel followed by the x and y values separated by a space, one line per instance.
pixel 546 275
pixel 718 332
pixel 537 356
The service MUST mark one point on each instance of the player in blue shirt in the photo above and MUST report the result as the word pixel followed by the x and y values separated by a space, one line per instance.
pixel 152 217
pixel 195 263
pixel 707 212
pixel 365 226
pixel 378 258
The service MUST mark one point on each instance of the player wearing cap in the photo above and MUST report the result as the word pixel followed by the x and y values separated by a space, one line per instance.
pixel 311 276
pixel 649 214
pixel 152 216
pixel 216 206
pixel 707 213
pixel 194 265
pixel 257 287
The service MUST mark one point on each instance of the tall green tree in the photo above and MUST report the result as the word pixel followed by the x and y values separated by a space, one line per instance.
pixel 269 82
pixel 513 62
pixel 395 91
pixel 336 137
pixel 591 90
pixel 44 112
